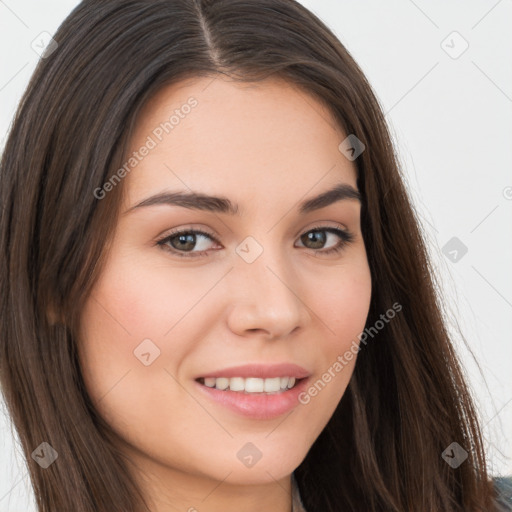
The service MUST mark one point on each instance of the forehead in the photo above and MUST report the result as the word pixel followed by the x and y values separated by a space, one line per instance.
pixel 267 139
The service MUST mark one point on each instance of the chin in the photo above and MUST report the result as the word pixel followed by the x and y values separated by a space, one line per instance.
pixel 273 465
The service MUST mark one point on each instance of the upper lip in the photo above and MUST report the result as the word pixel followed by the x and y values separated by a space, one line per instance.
pixel 262 371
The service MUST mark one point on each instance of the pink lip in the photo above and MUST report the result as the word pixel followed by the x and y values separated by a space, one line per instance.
pixel 260 406
pixel 261 371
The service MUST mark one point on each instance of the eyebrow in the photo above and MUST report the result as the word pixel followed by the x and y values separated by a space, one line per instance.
pixel 198 201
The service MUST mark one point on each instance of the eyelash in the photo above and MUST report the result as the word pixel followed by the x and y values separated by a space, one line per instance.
pixel 345 236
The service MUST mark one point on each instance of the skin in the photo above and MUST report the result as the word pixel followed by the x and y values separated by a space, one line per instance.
pixel 267 147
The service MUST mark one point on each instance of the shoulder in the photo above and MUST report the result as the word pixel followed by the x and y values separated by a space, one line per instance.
pixel 503 486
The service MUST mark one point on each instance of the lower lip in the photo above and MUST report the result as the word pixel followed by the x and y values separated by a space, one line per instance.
pixel 259 406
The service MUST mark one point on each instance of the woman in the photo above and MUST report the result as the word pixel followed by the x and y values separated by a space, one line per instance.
pixel 216 295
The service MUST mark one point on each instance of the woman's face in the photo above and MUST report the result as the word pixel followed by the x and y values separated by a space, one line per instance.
pixel 256 297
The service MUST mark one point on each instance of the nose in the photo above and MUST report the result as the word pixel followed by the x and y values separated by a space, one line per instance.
pixel 266 298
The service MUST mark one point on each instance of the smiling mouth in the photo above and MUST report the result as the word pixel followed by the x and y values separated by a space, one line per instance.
pixel 251 385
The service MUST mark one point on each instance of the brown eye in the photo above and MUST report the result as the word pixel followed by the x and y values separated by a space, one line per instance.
pixel 185 241
pixel 316 238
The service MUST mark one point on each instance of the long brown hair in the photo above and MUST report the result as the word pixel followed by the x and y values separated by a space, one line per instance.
pixel 407 400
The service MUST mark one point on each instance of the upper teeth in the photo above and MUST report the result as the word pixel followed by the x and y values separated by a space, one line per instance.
pixel 251 384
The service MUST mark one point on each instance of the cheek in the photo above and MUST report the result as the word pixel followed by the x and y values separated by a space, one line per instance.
pixel 342 306
pixel 135 301
pixel 343 302
pixel 345 307
pixel 119 314
pixel 132 397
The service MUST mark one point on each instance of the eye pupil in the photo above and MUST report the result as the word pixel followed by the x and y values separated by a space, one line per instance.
pixel 317 237
pixel 188 238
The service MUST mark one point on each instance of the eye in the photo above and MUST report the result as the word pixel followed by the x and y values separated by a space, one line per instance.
pixel 319 235
pixel 183 242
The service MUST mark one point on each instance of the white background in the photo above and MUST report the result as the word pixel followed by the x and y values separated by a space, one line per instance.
pixel 452 125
